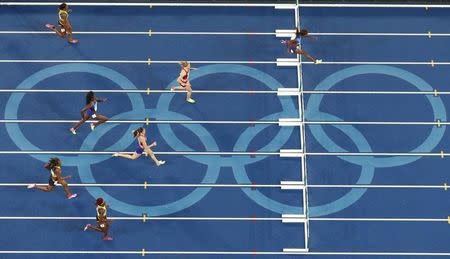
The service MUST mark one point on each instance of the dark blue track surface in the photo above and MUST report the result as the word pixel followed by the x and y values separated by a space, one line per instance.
pixel 156 201
pixel 247 235
pixel 378 203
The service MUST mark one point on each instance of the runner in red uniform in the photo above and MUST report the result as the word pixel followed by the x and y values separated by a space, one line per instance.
pixel 183 81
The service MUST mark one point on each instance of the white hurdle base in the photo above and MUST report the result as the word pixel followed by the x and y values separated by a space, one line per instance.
pixel 295 250
pixel 287 62
pixel 293 218
pixel 291 153
pixel 292 185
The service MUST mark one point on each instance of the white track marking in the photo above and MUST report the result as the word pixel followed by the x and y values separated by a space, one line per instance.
pixel 144 122
pixel 289 6
pixel 131 61
pixel 394 34
pixel 200 185
pixel 382 219
pixel 150 185
pixel 429 63
pixel 220 153
pixel 177 252
pixel 144 91
pixel 148 218
pixel 149 91
pixel 205 153
pixel 375 186
pixel 141 218
pixel 152 33
pixel 375 5
pixel 12 3
pixel 147 33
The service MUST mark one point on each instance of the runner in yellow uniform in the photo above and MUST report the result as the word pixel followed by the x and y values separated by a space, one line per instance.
pixel 54 166
pixel 64 27
pixel 102 221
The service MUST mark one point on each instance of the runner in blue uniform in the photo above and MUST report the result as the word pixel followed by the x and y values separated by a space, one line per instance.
pixel 90 111
pixel 294 45
pixel 141 147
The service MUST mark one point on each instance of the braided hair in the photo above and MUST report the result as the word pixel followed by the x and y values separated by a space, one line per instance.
pixel 90 97
pixel 54 161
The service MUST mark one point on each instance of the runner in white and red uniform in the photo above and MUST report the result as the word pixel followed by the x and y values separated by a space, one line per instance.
pixel 183 81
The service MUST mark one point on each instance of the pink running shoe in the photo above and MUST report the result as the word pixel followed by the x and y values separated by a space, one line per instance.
pixel 107 238
pixel 50 26
pixel 72 196
pixel 31 186
pixel 87 226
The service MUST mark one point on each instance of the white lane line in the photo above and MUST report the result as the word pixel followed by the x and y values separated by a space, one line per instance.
pixel 288 6
pixel 148 218
pixel 220 153
pixel 433 123
pixel 150 185
pixel 148 33
pixel 280 6
pixel 297 122
pixel 432 63
pixel 382 219
pixel 147 91
pixel 206 153
pixel 374 186
pixel 375 154
pixel 150 121
pixel 436 92
pixel 379 253
pixel 304 169
pixel 227 219
pixel 375 5
pixel 429 63
pixel 396 34
pixel 178 252
pixel 131 61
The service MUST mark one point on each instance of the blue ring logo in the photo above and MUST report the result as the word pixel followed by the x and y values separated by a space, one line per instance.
pixel 368 163
pixel 215 163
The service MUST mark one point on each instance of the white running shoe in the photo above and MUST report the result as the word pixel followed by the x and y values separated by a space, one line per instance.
pixel 318 61
pixel 31 186
pixel 74 132
pixel 190 100
pixel 161 162
pixel 72 196
pixel 87 227
pixel 92 126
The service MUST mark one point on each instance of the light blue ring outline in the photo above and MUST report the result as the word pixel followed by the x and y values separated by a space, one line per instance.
pixel 367 170
pixel 211 176
pixel 287 104
pixel 12 106
pixel 85 173
pixel 282 136
pixel 436 135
